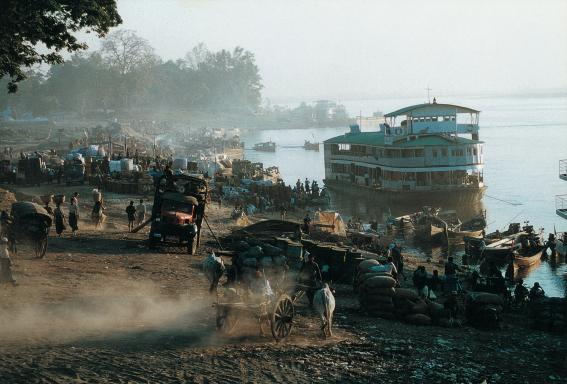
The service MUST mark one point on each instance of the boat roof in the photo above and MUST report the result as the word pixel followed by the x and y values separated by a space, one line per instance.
pixel 433 109
pixel 377 139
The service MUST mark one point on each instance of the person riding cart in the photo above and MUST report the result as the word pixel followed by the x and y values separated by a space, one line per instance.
pixel 310 276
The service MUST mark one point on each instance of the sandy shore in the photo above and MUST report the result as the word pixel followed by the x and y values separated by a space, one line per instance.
pixel 102 307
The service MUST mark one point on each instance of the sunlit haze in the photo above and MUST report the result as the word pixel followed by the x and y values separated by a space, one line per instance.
pixel 360 49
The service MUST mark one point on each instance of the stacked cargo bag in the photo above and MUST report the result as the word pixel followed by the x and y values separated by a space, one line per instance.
pixel 410 307
pixel 549 314
pixel 375 296
pixel 362 272
pixel 484 310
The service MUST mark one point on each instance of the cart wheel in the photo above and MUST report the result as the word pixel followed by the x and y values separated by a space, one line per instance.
pixel 41 247
pixel 226 320
pixel 282 317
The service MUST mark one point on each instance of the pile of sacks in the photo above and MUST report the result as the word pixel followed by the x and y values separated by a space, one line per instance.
pixel 375 289
pixel 378 296
pixel 549 314
pixel 484 309
pixel 266 257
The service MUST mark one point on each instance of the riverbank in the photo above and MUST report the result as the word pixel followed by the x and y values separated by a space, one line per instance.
pixel 102 307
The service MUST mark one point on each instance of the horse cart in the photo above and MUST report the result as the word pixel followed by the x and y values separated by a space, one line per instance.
pixel 275 312
pixel 29 225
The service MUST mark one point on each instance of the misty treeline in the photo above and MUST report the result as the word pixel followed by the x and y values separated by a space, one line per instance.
pixel 126 74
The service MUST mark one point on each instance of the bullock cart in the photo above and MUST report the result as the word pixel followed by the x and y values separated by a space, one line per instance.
pixel 275 312
pixel 29 225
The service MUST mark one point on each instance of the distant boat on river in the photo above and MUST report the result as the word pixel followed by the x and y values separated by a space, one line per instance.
pixel 309 146
pixel 268 146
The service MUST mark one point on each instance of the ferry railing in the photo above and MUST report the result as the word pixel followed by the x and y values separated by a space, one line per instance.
pixel 561 205
pixel 563 169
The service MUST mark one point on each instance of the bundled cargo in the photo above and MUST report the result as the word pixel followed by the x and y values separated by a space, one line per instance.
pixel 484 309
pixel 97 196
pixel 376 295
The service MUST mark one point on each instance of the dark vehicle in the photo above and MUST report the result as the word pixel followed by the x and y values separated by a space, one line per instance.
pixel 74 171
pixel 30 170
pixel 178 211
pixel 29 224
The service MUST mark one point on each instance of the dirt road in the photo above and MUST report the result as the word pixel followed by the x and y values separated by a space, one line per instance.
pixel 102 307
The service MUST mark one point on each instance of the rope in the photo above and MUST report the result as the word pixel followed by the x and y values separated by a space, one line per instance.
pixel 515 203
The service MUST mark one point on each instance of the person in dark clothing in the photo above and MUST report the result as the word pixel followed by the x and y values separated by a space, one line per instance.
pixel 520 292
pixel 451 274
pixel 59 174
pixel 452 304
pixel 131 212
pixel 59 220
pixel 419 278
pixel 435 282
pixel 398 259
pixel 310 276
pixel 536 292
pixel 306 223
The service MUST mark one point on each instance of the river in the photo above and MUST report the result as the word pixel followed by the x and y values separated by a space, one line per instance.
pixel 525 137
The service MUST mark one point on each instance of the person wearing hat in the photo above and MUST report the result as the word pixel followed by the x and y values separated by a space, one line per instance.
pixel 310 276
pixel 5 263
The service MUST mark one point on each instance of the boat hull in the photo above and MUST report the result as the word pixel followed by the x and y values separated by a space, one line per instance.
pixel 420 198
pixel 527 261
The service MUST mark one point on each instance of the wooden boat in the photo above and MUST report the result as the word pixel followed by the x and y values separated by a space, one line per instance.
pixel 309 146
pixel 472 229
pixel 268 146
pixel 525 259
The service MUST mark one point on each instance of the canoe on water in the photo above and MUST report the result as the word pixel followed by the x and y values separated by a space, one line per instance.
pixel 528 259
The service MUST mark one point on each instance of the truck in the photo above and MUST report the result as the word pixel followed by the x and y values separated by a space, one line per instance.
pixel 178 211
pixel 74 171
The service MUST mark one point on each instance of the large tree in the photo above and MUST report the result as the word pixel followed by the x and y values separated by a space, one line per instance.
pixel 36 31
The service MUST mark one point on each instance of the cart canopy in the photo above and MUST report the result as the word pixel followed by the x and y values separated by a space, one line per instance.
pixel 24 210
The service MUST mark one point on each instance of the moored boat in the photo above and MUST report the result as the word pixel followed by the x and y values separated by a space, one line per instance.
pixel 525 259
pixel 309 146
pixel 268 146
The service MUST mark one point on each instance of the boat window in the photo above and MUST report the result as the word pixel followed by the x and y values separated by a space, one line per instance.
pixel 444 152
pixel 434 152
pixel 344 147
pixel 419 153
pixel 475 152
pixel 434 118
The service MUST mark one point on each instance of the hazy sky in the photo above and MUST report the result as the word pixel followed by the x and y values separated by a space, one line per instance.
pixel 359 49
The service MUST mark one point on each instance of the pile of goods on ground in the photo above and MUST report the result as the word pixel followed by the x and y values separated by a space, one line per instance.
pixel 266 257
pixel 484 310
pixel 378 296
pixel 549 314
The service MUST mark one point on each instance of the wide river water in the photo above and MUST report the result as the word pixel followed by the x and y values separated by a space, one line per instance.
pixel 525 137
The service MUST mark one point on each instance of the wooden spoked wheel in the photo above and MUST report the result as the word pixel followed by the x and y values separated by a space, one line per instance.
pixel 40 247
pixel 226 320
pixel 282 317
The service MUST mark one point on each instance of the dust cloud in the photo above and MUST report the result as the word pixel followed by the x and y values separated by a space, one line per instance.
pixel 103 313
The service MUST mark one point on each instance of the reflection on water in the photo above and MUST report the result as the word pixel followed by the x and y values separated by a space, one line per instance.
pixel 524 139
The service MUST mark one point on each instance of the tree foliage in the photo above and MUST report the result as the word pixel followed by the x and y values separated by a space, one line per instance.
pixel 126 74
pixel 35 32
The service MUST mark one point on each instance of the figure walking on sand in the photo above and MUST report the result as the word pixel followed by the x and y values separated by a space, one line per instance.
pixel 5 263
pixel 59 220
pixel 74 216
pixel 131 212
pixel 97 214
pixel 140 212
